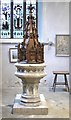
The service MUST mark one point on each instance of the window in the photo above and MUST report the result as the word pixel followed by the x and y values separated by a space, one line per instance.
pixel 18 19
pixel 5 19
pixel 13 16
pixel 34 4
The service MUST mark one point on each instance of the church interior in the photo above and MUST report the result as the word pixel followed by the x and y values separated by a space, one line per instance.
pixel 51 25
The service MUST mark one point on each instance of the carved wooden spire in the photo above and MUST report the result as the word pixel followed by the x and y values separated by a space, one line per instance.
pixel 31 50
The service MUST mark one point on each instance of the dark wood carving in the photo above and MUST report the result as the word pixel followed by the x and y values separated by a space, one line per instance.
pixel 30 50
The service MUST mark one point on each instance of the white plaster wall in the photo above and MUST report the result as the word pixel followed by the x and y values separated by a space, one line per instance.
pixel 55 19
pixel 8 69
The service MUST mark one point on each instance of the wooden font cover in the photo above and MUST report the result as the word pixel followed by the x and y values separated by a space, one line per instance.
pixel 30 50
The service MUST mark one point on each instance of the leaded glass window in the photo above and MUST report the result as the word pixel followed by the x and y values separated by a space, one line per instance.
pixel 5 19
pixel 13 17
pixel 33 2
pixel 18 19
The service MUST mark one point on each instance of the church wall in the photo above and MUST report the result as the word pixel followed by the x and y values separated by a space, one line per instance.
pixel 54 20
pixel 8 69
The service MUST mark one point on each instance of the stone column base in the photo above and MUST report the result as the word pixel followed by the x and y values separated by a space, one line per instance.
pixel 20 109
